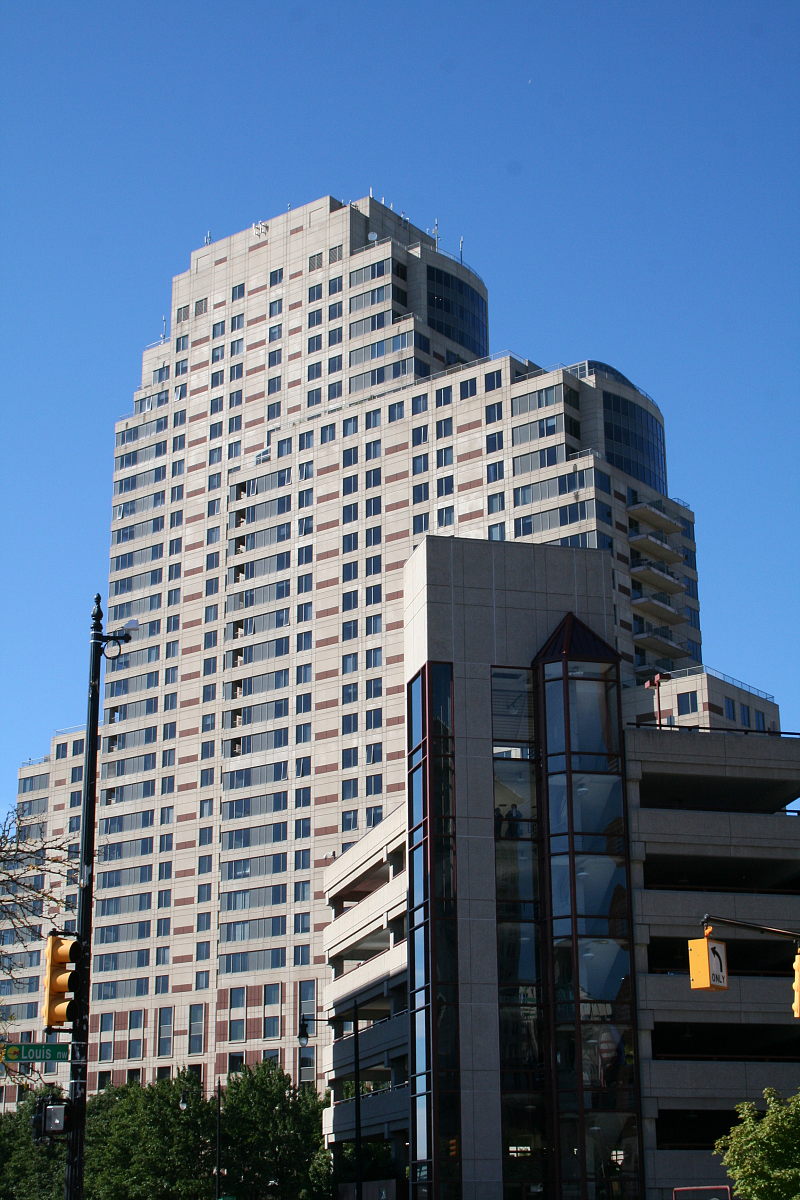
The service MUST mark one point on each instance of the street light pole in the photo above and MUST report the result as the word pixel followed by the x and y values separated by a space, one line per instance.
pixel 81 982
pixel 217 1151
pixel 302 1037
pixel 357 1112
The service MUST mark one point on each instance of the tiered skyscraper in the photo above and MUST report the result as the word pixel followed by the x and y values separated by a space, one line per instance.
pixel 325 399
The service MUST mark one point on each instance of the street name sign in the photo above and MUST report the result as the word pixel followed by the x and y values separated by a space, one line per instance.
pixel 29 1052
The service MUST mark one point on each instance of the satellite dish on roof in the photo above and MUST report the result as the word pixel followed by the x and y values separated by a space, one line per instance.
pixel 372 237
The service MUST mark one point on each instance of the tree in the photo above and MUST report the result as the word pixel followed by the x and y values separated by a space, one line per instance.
pixel 141 1145
pixel 33 870
pixel 760 1154
pixel 271 1135
pixel 29 1171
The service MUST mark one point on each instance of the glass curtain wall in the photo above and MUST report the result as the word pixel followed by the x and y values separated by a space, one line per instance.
pixel 594 1085
pixel 434 1073
pixel 524 1136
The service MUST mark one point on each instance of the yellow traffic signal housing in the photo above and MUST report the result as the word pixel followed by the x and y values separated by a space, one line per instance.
pixel 708 965
pixel 796 985
pixel 61 954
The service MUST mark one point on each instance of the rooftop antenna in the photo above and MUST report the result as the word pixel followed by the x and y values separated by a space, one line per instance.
pixel 163 329
pixel 370 193
pixel 436 233
pixel 207 238
pixel 461 250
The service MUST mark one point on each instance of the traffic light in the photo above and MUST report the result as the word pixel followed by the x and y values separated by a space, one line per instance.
pixel 37 1121
pixel 60 957
pixel 796 985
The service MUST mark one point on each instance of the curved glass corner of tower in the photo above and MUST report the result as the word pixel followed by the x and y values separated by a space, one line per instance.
pixel 458 309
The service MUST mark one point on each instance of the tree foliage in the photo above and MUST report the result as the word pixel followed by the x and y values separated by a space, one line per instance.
pixel 142 1145
pixel 271 1134
pixel 762 1153
pixel 28 1171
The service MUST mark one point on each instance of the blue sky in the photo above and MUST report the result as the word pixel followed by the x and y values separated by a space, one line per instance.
pixel 624 176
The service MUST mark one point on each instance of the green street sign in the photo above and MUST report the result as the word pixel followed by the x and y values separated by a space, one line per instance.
pixel 29 1052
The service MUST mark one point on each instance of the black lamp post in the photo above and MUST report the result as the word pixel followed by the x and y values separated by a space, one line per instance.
pixel 302 1038
pixel 98 643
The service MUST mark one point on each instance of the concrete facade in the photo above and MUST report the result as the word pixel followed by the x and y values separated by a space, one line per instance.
pixel 708 831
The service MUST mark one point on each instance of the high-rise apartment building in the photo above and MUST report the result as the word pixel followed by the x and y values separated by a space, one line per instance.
pixel 325 399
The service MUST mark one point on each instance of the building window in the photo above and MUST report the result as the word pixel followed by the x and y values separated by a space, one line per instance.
pixel 687 703
pixel 164 1037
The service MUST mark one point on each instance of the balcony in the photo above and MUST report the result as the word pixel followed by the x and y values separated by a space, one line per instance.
pixel 377 1045
pixel 367 975
pixel 651 545
pixel 658 606
pixel 366 923
pixel 657 638
pixel 656 575
pixel 653 514
pixel 381 1112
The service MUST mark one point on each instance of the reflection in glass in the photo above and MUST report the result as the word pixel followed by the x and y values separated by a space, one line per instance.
pixel 421 1122
pixel 441 799
pixel 420 977
pixel 591 670
pixel 512 710
pixel 560 884
pixel 445 1040
pixel 592 718
pixel 440 699
pixel 566 1059
pixel 596 803
pixel 612 1147
pixel 556 730
pixel 516 953
pixel 519 1038
pixel 416 796
pixel 418 876
pixel 420 1023
pixel 515 874
pixel 604 966
pixel 415 712
pixel 606 1056
pixel 570 1149
pixel 443 868
pixel 600 887
pixel 523 1124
